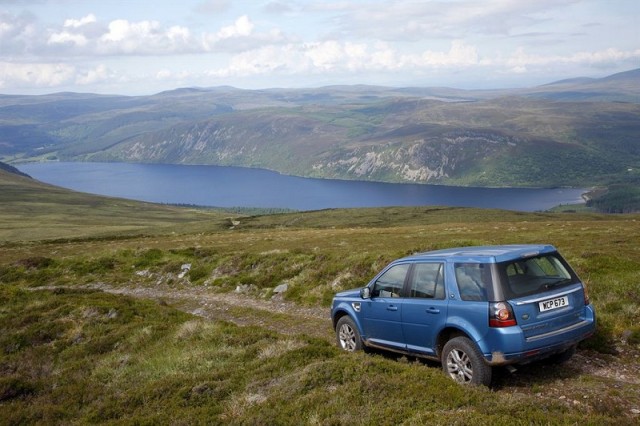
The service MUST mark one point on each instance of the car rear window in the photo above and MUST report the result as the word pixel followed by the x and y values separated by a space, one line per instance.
pixel 534 275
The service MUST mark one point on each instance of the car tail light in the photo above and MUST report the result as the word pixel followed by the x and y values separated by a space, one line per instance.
pixel 501 315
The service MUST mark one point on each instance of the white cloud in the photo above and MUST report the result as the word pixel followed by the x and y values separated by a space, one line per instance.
pixel 164 74
pixel 39 75
pixel 384 57
pixel 75 34
pixel 242 27
pixel 305 42
pixel 281 59
pixel 127 38
pixel 240 37
pixel 520 60
pixel 168 75
pixel 610 55
pixel 97 75
pixel 66 37
pixel 179 34
pixel 53 76
pixel 326 55
pixel 77 23
pixel 413 21
pixel 87 36
pixel 122 29
pixel 346 57
pixel 133 33
pixel 18 34
pixel 460 55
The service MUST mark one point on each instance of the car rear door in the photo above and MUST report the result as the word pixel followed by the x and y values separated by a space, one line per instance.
pixel 424 310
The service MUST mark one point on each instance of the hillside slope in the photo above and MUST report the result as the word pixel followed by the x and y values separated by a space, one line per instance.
pixel 579 132
pixel 503 142
pixel 31 210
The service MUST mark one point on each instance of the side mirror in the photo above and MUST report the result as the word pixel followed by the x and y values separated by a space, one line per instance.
pixel 365 293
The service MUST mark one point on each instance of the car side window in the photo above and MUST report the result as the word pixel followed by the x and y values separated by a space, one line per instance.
pixel 428 281
pixel 391 282
pixel 473 280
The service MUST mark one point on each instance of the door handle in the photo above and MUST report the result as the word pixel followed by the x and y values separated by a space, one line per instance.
pixel 392 308
pixel 433 310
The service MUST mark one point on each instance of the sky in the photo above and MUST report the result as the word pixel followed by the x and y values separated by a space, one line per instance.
pixel 140 47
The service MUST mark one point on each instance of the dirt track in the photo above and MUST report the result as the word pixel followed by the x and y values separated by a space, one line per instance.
pixel 277 315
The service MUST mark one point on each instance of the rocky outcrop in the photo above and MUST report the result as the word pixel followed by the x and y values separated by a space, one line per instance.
pixel 505 142
pixel 429 159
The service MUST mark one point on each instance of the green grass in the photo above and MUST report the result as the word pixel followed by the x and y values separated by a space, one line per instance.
pixel 315 259
pixel 89 357
pixel 73 356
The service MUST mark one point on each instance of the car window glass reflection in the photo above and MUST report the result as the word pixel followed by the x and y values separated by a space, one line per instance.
pixel 472 280
pixel 391 282
pixel 428 281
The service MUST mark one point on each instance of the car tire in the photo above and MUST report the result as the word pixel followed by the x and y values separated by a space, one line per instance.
pixel 462 362
pixel 347 335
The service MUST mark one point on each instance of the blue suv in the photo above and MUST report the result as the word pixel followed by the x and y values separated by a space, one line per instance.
pixel 470 308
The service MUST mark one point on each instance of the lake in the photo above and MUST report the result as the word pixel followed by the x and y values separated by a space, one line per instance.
pixel 244 187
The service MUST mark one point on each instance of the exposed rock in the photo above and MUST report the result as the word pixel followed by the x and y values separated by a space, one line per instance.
pixel 246 289
pixel 143 273
pixel 185 268
pixel 282 288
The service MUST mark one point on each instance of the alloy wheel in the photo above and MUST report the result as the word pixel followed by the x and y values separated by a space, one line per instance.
pixel 347 338
pixel 459 366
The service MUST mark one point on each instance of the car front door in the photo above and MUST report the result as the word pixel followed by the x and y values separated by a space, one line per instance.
pixel 424 311
pixel 382 313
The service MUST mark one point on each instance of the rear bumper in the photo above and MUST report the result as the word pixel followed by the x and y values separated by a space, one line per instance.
pixel 517 349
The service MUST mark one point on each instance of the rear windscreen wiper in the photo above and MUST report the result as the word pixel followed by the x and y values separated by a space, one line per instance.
pixel 557 283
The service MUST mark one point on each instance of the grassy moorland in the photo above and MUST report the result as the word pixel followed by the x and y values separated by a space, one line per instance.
pixel 71 353
pixel 33 211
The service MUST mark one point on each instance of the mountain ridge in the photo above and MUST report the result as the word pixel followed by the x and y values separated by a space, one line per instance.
pixel 572 132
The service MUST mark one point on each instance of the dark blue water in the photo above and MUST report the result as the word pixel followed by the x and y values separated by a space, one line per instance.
pixel 243 187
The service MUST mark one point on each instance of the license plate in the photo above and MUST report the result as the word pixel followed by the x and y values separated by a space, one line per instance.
pixel 556 303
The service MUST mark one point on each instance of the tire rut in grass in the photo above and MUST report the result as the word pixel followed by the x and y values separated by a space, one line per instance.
pixel 280 316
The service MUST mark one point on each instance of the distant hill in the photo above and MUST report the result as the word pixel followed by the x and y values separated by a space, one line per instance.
pixel 10 169
pixel 620 87
pixel 578 132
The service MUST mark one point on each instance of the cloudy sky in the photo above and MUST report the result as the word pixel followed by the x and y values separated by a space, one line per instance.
pixel 143 46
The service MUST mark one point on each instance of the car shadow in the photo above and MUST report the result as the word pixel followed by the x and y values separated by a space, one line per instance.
pixel 539 373
pixel 520 376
